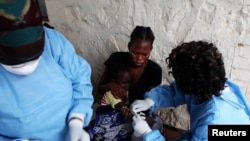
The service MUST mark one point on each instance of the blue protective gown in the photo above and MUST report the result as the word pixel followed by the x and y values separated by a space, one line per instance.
pixel 37 106
pixel 229 108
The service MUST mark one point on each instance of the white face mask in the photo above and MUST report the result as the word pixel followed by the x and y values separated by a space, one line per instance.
pixel 23 69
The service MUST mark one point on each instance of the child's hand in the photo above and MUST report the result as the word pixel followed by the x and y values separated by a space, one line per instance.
pixel 125 111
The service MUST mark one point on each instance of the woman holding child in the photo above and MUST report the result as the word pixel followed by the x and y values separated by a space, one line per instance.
pixel 144 72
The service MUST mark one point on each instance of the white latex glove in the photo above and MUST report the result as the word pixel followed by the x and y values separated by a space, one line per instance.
pixel 141 105
pixel 76 131
pixel 140 126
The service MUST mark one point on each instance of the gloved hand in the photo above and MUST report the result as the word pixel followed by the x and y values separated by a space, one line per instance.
pixel 140 126
pixel 76 131
pixel 141 105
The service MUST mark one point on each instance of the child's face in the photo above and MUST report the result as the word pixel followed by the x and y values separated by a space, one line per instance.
pixel 124 81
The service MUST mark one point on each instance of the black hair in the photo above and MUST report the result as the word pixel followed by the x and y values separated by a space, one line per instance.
pixel 116 70
pixel 141 33
pixel 198 69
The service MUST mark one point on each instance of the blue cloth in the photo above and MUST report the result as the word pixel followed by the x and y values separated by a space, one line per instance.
pixel 229 108
pixel 37 106
pixel 154 135
pixel 110 125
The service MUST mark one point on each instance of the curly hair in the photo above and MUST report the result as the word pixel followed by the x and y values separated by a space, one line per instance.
pixel 198 69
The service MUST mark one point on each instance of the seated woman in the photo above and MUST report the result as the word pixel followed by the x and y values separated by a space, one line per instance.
pixel 145 73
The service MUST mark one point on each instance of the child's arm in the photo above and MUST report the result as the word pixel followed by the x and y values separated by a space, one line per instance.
pixel 120 105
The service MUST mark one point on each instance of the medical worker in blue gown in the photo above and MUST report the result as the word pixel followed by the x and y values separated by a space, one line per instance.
pixel 200 82
pixel 45 87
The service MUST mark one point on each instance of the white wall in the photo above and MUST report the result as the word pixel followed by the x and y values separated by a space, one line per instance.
pixel 99 27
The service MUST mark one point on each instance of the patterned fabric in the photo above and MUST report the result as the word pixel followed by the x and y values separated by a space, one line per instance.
pixel 110 125
pixel 19 14
pixel 21 31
